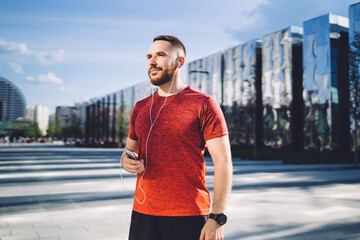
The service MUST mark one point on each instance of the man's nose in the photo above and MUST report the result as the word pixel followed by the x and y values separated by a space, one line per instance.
pixel 152 61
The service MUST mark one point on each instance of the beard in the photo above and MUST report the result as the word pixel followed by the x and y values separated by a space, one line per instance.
pixel 164 77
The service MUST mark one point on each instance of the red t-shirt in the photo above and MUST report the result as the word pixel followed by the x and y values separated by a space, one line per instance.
pixel 174 181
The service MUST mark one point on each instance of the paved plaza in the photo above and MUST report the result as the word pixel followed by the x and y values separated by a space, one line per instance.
pixel 63 192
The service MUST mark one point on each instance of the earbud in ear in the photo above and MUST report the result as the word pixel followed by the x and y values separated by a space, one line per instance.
pixel 178 65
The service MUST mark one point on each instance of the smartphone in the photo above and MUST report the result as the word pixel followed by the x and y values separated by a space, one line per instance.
pixel 130 153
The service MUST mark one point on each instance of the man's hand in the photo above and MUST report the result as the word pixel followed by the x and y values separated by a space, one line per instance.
pixel 212 231
pixel 131 165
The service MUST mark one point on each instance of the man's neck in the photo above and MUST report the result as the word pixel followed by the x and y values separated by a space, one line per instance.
pixel 177 87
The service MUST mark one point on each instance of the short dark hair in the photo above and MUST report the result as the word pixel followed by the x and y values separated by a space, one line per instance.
pixel 171 39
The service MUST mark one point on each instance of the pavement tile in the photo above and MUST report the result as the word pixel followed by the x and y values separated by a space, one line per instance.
pixel 4 225
pixel 110 221
pixel 92 223
pixel 74 233
pixel 269 199
pixel 5 233
pixel 20 238
pixel 69 225
pixel 49 231
pixel 25 234
pixel 18 230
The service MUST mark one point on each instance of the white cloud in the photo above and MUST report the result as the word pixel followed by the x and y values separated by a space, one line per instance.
pixel 30 79
pixel 69 89
pixel 49 58
pixel 48 78
pixel 22 49
pixel 16 67
pixel 14 48
pixel 243 15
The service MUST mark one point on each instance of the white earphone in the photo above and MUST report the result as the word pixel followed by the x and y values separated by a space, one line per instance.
pixel 148 136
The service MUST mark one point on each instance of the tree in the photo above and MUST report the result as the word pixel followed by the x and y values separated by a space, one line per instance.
pixel 58 130
pixel 37 131
pixel 33 131
pixel 50 131
pixel 29 131
pixel 123 123
pixel 354 85
pixel 54 129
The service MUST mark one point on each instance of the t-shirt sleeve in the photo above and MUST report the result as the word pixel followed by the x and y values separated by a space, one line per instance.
pixel 212 121
pixel 132 133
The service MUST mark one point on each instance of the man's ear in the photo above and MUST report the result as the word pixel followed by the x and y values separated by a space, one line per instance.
pixel 181 62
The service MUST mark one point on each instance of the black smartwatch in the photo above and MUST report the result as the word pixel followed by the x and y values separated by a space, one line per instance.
pixel 219 218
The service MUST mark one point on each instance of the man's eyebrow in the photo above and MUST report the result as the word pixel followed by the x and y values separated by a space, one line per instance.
pixel 161 52
pixel 157 53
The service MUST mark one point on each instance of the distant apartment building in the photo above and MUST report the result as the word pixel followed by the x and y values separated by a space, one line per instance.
pixel 30 113
pixel 65 114
pixel 39 114
pixel 80 113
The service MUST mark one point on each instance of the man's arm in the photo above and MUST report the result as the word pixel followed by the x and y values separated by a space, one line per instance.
pixel 131 165
pixel 219 149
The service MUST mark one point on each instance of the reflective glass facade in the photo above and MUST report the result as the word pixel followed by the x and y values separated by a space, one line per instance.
pixel 205 75
pixel 239 87
pixel 354 15
pixel 108 117
pixel 354 18
pixel 321 49
pixel 290 88
pixel 277 83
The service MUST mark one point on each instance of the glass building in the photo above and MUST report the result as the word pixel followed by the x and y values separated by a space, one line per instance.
pixel 354 66
pixel 204 75
pixel 108 117
pixel 354 17
pixel 12 101
pixel 281 87
pixel 242 88
pixel 325 62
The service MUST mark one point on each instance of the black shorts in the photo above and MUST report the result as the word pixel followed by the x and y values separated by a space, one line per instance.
pixel 147 227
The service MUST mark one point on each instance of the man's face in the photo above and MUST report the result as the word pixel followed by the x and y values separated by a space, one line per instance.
pixel 161 62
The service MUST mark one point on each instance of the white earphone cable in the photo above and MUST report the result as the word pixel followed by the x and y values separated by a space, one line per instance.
pixel 147 140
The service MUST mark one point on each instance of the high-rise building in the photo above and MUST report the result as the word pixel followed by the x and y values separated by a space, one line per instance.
pixel 80 113
pixel 65 114
pixel 41 116
pixel 30 110
pixel 38 114
pixel 12 101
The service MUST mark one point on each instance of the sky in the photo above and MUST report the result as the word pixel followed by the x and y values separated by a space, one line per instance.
pixel 64 52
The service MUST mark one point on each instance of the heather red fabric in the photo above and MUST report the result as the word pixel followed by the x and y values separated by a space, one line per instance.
pixel 174 181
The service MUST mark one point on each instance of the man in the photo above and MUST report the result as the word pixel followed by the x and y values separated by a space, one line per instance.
pixel 169 131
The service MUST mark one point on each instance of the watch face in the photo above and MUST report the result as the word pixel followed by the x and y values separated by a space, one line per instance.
pixel 221 219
